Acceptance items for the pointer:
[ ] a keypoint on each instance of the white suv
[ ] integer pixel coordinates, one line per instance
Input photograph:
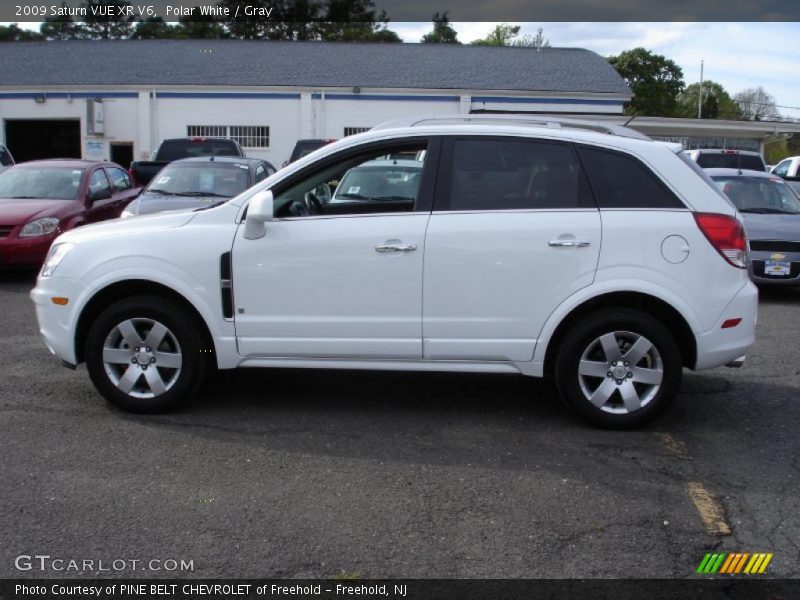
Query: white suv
(526, 246)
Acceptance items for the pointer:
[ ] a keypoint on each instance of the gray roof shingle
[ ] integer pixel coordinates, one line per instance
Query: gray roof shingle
(306, 64)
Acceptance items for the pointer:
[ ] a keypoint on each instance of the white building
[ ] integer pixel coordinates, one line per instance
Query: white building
(118, 99)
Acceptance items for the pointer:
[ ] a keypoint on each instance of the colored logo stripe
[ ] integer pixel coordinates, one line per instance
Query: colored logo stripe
(733, 563)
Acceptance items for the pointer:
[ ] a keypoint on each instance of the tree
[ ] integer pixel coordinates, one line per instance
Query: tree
(294, 20)
(61, 27)
(501, 35)
(203, 27)
(14, 33)
(154, 28)
(442, 32)
(537, 41)
(105, 21)
(717, 103)
(654, 80)
(244, 27)
(355, 21)
(756, 104)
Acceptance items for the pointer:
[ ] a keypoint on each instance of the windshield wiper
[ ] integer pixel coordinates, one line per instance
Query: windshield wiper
(398, 198)
(767, 211)
(159, 191)
(23, 197)
(212, 205)
(198, 194)
(354, 196)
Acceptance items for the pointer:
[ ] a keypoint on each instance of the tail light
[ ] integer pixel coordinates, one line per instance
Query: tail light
(726, 234)
(134, 179)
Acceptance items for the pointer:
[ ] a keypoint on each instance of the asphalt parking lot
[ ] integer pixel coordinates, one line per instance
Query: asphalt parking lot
(327, 473)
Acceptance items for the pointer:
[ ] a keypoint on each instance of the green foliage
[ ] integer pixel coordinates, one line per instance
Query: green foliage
(775, 152)
(154, 28)
(105, 27)
(654, 80)
(14, 33)
(203, 27)
(717, 103)
(442, 32)
(501, 35)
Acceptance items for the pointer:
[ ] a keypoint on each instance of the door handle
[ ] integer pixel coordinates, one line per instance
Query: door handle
(395, 248)
(569, 243)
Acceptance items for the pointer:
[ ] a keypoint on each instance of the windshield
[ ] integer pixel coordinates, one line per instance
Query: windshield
(710, 160)
(176, 149)
(41, 183)
(759, 194)
(201, 179)
(389, 182)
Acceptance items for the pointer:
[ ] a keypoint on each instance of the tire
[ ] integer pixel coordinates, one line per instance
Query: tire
(594, 379)
(171, 362)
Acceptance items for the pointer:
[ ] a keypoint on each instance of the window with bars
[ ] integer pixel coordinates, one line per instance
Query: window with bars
(248, 136)
(355, 130)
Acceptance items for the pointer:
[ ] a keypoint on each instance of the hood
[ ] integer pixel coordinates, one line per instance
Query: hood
(17, 212)
(120, 227)
(772, 227)
(152, 203)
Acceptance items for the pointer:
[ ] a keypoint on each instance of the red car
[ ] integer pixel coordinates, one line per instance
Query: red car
(41, 199)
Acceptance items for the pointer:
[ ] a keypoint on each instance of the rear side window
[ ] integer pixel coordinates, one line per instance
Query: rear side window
(491, 174)
(710, 160)
(621, 181)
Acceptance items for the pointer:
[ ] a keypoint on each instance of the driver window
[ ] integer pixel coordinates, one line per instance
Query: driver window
(99, 182)
(380, 181)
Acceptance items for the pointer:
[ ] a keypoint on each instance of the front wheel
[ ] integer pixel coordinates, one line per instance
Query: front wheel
(145, 355)
(618, 368)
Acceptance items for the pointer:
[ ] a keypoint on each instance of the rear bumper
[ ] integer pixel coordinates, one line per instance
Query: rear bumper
(718, 347)
(756, 260)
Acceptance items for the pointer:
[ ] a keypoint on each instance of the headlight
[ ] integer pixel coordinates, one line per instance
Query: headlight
(54, 257)
(44, 226)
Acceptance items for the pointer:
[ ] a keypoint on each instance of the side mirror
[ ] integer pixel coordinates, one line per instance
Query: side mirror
(100, 194)
(259, 211)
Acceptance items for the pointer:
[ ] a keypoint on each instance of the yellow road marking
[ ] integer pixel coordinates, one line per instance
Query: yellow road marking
(710, 510)
(674, 447)
(765, 563)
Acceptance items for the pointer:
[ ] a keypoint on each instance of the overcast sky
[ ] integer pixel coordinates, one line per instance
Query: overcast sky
(737, 55)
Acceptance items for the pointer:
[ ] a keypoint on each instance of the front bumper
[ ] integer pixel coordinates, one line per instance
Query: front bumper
(57, 323)
(719, 347)
(24, 252)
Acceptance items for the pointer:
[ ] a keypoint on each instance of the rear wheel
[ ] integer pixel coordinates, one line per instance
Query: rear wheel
(144, 354)
(618, 368)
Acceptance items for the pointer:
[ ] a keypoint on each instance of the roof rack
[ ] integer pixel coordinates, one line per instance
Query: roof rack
(507, 119)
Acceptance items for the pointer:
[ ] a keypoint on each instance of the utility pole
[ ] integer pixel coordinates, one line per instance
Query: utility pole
(700, 94)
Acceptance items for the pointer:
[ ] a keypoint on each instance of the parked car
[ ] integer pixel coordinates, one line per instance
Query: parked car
(507, 221)
(142, 172)
(709, 158)
(6, 160)
(390, 180)
(788, 168)
(197, 182)
(771, 211)
(304, 147)
(39, 200)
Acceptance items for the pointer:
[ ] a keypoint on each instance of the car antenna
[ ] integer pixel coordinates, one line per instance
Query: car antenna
(629, 120)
